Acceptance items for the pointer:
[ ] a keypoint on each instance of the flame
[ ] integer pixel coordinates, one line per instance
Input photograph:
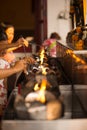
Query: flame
(75, 57)
(43, 69)
(42, 56)
(41, 95)
(41, 92)
(42, 87)
(36, 87)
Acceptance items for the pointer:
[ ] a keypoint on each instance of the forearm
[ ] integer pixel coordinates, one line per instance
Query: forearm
(6, 46)
(7, 72)
(19, 66)
(13, 48)
(3, 46)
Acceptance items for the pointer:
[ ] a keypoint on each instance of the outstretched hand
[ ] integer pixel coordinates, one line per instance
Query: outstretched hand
(22, 64)
(22, 41)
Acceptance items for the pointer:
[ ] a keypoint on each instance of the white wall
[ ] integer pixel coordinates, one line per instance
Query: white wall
(62, 26)
(86, 13)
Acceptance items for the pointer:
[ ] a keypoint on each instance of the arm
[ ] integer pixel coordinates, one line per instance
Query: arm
(6, 72)
(4, 46)
(10, 47)
(19, 43)
(19, 66)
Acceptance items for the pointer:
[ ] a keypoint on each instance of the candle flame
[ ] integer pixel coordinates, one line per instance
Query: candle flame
(41, 92)
(41, 95)
(77, 59)
(36, 87)
(42, 55)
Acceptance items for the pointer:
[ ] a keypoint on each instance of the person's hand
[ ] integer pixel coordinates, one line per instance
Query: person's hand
(20, 65)
(29, 39)
(22, 41)
(30, 60)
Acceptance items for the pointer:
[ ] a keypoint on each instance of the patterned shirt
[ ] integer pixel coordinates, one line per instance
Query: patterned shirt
(3, 90)
(51, 44)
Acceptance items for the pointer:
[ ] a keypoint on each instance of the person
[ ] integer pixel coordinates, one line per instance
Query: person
(8, 29)
(55, 35)
(6, 37)
(4, 46)
(5, 70)
(4, 42)
(51, 44)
